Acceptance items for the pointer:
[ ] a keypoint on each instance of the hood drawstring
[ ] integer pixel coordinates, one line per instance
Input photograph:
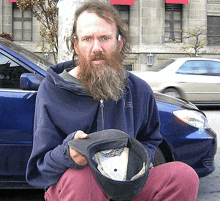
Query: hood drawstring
(102, 110)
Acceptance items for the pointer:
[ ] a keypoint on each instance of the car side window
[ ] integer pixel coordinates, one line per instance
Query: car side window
(10, 73)
(185, 69)
(213, 68)
(193, 68)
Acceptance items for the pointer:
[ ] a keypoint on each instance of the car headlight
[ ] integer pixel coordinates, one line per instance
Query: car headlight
(192, 117)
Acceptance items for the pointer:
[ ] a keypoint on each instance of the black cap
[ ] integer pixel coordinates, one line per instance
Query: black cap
(119, 162)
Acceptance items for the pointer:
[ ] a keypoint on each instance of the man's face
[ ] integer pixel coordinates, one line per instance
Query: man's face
(95, 35)
(98, 50)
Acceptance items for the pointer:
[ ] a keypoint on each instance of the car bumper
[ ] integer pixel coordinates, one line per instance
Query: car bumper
(197, 150)
(206, 165)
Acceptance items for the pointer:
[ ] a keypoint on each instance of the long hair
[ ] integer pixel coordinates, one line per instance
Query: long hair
(107, 12)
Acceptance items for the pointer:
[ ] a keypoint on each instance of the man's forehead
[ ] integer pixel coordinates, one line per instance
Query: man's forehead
(91, 22)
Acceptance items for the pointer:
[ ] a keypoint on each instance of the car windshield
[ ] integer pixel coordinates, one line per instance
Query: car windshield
(38, 61)
(161, 65)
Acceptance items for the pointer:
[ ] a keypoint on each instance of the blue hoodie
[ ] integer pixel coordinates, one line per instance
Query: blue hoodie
(64, 107)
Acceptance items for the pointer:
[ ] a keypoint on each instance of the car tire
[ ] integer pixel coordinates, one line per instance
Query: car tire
(159, 158)
(172, 92)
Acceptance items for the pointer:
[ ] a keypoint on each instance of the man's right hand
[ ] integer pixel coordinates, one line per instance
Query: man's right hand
(78, 158)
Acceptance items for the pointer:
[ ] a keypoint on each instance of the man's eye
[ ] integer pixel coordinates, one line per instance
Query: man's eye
(105, 38)
(86, 39)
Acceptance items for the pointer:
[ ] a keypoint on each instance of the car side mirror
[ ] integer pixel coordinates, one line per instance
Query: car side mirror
(30, 81)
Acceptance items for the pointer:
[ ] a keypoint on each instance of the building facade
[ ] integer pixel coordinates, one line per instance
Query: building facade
(159, 30)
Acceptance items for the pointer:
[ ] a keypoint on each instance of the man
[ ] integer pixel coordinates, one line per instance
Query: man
(98, 94)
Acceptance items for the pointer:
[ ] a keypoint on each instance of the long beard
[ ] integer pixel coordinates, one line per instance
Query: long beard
(106, 81)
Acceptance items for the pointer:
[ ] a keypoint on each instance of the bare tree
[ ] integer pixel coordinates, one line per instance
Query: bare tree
(46, 13)
(197, 40)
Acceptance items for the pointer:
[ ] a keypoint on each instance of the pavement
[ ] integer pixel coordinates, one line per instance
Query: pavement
(209, 187)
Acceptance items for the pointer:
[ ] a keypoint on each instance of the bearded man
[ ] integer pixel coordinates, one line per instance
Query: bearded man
(97, 94)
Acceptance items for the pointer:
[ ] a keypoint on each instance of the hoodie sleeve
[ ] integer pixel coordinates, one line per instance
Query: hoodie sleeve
(50, 156)
(149, 134)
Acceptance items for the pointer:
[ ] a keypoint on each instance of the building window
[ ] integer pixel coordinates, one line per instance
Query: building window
(124, 11)
(22, 27)
(173, 23)
(213, 30)
(130, 64)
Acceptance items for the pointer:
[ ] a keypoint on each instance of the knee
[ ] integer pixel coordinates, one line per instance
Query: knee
(172, 181)
(184, 175)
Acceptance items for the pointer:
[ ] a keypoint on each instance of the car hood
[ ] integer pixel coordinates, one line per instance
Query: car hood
(174, 101)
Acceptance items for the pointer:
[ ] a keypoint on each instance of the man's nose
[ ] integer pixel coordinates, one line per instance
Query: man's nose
(97, 46)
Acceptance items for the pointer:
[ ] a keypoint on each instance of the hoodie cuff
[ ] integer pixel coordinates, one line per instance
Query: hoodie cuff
(66, 153)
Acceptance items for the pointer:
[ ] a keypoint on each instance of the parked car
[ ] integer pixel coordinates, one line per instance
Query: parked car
(187, 136)
(194, 79)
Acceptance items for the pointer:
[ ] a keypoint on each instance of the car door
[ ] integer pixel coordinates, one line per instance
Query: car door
(16, 120)
(196, 81)
(213, 74)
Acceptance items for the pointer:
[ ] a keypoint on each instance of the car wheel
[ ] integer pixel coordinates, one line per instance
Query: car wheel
(158, 158)
(172, 92)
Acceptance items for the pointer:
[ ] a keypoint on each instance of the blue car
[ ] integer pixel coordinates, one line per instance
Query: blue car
(187, 136)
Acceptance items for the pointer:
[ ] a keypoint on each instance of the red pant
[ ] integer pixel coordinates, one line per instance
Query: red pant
(171, 181)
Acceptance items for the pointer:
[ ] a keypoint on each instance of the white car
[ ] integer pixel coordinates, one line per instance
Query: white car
(194, 79)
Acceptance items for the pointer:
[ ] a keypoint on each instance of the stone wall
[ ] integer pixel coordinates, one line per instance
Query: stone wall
(213, 7)
(6, 17)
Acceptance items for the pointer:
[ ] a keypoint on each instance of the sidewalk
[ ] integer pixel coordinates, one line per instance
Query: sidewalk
(209, 188)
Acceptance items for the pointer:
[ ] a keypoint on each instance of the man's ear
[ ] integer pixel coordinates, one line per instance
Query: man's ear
(75, 44)
(121, 43)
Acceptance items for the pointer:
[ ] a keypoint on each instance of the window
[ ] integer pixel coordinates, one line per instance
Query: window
(193, 68)
(124, 11)
(10, 73)
(200, 68)
(173, 23)
(213, 30)
(22, 25)
(213, 68)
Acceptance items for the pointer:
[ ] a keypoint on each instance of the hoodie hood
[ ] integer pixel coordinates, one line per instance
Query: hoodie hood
(53, 75)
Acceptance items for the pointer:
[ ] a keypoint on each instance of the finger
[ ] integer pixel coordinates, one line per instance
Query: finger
(80, 135)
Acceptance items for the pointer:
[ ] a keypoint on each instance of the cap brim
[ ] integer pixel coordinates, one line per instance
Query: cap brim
(81, 145)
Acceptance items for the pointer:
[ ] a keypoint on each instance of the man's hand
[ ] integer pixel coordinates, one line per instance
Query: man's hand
(78, 158)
